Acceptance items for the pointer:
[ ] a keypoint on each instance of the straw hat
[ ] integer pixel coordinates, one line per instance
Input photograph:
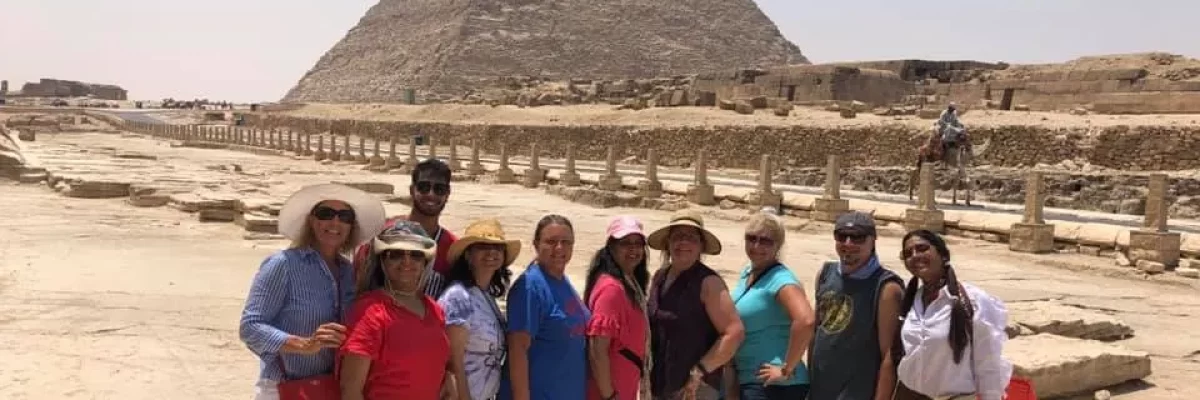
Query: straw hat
(405, 235)
(485, 231)
(658, 239)
(368, 210)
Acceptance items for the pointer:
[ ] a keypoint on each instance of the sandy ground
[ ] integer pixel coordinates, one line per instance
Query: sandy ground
(102, 300)
(700, 116)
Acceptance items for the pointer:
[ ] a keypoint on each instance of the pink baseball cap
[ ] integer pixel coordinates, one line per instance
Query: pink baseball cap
(623, 226)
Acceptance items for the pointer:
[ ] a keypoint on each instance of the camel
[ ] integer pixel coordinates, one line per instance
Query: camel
(958, 154)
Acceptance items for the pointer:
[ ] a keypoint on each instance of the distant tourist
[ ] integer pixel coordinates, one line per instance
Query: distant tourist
(618, 332)
(429, 190)
(769, 365)
(479, 275)
(293, 315)
(694, 326)
(953, 334)
(546, 320)
(396, 345)
(858, 318)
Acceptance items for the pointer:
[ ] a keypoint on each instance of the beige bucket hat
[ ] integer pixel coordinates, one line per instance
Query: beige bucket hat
(658, 239)
(485, 231)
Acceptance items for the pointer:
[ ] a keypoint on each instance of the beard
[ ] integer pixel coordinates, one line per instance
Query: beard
(422, 209)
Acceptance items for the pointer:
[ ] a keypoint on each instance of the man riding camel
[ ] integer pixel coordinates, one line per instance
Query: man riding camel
(947, 130)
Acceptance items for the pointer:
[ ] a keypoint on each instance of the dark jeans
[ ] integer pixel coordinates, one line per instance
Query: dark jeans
(756, 391)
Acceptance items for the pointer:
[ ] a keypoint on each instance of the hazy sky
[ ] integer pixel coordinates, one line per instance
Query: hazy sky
(255, 50)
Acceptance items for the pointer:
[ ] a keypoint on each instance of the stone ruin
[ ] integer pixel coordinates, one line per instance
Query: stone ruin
(402, 51)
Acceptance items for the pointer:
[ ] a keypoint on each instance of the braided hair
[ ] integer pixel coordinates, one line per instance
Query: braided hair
(962, 312)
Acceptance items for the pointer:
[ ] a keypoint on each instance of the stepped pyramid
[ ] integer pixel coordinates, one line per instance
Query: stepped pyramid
(452, 46)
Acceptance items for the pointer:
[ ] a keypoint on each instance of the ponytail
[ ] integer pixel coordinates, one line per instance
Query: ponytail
(962, 315)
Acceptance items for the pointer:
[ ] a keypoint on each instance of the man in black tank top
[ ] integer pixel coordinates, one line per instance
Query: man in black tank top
(858, 305)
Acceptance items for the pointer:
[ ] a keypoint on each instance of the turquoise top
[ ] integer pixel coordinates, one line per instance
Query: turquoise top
(768, 325)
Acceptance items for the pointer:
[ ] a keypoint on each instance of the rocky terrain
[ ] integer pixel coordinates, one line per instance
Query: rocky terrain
(454, 48)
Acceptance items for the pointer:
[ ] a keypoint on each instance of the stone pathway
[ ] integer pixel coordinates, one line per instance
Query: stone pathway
(95, 285)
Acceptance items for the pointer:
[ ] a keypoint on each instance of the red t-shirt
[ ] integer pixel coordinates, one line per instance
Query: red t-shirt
(408, 354)
(440, 264)
(616, 317)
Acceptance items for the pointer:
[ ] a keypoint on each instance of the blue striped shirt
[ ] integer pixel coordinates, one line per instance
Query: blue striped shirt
(292, 294)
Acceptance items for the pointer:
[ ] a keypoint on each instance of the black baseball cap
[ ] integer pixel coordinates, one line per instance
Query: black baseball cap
(855, 222)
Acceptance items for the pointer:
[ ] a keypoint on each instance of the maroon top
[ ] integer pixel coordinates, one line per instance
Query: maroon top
(681, 331)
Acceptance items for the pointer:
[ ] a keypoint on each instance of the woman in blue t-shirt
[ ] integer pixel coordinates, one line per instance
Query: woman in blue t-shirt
(547, 357)
(778, 320)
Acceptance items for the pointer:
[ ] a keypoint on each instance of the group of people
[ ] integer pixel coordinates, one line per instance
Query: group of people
(416, 312)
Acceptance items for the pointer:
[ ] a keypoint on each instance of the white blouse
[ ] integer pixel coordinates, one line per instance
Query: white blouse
(928, 365)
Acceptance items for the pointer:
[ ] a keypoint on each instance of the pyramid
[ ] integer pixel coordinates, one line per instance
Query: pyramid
(451, 47)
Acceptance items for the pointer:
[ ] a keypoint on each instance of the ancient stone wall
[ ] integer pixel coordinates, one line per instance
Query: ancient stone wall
(1121, 147)
(61, 88)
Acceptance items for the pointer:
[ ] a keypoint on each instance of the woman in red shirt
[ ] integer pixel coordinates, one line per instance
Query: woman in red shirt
(397, 346)
(616, 294)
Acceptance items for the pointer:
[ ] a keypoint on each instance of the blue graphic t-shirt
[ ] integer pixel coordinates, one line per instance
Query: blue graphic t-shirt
(551, 312)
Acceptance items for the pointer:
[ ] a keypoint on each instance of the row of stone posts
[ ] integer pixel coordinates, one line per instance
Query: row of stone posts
(1152, 242)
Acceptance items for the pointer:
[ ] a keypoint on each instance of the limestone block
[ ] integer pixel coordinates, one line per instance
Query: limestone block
(257, 222)
(1150, 267)
(217, 215)
(743, 107)
(595, 197)
(534, 177)
(1060, 366)
(702, 194)
(85, 189)
(258, 205)
(828, 210)
(140, 196)
(650, 189)
(1031, 238)
(370, 187)
(1160, 247)
(194, 202)
(933, 220)
(27, 135)
(1056, 318)
(505, 175)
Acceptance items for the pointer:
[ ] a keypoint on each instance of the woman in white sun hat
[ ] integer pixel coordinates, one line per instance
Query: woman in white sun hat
(293, 315)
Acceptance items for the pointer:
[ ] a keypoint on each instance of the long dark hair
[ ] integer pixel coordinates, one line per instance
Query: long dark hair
(460, 271)
(603, 263)
(962, 312)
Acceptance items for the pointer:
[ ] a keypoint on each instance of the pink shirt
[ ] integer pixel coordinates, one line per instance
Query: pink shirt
(615, 316)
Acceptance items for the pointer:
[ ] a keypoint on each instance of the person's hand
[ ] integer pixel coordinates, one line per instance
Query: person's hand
(771, 374)
(330, 335)
(449, 388)
(308, 346)
(689, 389)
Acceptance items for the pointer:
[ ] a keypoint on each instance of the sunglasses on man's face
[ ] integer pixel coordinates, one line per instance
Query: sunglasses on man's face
(326, 213)
(856, 238)
(440, 189)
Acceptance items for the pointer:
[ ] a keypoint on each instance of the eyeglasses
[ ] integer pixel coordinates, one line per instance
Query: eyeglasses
(759, 239)
(440, 189)
(326, 213)
(401, 255)
(915, 249)
(856, 238)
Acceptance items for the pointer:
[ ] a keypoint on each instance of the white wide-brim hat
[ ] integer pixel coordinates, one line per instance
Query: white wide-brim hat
(368, 210)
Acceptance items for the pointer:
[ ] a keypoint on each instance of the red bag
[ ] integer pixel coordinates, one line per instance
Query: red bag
(321, 387)
(1020, 389)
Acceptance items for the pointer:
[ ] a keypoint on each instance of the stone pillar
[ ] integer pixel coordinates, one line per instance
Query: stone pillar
(452, 161)
(831, 205)
(346, 155)
(476, 167)
(308, 151)
(412, 156)
(701, 192)
(926, 215)
(432, 147)
(1153, 242)
(392, 161)
(533, 174)
(376, 159)
(1032, 234)
(766, 195)
(361, 158)
(319, 155)
(505, 174)
(611, 179)
(570, 177)
(334, 154)
(650, 187)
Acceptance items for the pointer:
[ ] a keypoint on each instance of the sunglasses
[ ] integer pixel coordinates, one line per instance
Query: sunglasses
(325, 213)
(856, 238)
(915, 249)
(440, 189)
(401, 255)
(758, 239)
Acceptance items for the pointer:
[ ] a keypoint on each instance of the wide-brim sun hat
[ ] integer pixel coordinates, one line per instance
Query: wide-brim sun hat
(486, 231)
(405, 235)
(368, 210)
(658, 239)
